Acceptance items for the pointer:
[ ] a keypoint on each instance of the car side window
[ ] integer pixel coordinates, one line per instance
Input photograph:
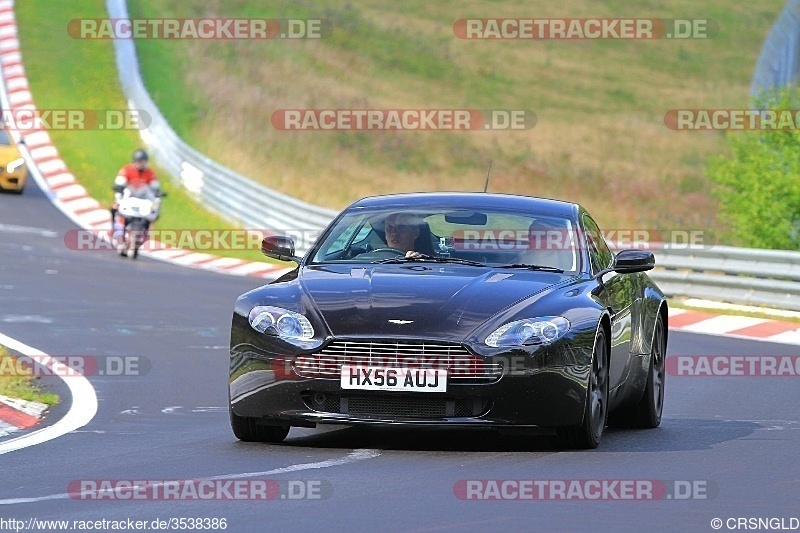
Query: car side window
(363, 233)
(346, 236)
(600, 255)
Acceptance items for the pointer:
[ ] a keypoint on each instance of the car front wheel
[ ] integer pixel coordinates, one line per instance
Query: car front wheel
(595, 414)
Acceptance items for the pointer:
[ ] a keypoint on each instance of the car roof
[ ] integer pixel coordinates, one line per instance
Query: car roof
(472, 200)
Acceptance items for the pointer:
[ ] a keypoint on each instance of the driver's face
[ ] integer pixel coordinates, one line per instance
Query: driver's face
(400, 233)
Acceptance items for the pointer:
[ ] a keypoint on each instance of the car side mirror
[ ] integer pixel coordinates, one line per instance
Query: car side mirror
(278, 247)
(630, 261)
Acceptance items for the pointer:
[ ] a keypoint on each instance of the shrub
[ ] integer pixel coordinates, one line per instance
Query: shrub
(759, 185)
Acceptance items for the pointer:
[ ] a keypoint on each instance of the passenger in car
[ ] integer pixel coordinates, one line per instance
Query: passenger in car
(550, 244)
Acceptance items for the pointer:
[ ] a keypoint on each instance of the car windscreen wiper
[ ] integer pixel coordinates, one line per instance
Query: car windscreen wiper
(455, 260)
(534, 267)
(422, 258)
(389, 260)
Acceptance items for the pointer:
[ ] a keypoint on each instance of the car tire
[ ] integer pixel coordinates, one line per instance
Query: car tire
(647, 413)
(587, 435)
(248, 430)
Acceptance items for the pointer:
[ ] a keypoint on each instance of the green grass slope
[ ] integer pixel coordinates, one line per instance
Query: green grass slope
(600, 137)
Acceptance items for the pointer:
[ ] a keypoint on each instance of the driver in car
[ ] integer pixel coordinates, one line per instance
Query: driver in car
(401, 232)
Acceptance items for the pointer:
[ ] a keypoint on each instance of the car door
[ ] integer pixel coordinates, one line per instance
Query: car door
(616, 293)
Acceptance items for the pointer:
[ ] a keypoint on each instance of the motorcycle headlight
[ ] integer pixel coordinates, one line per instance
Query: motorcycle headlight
(144, 209)
(540, 330)
(280, 323)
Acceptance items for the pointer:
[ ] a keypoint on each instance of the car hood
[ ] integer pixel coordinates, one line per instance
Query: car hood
(417, 300)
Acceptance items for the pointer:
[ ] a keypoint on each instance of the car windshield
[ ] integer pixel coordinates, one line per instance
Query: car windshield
(479, 237)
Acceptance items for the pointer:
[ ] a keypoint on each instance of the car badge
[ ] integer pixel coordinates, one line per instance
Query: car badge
(401, 322)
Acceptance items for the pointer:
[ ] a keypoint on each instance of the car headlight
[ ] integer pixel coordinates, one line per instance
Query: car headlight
(540, 330)
(280, 322)
(15, 164)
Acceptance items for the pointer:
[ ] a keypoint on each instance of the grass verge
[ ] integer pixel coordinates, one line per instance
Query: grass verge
(17, 382)
(67, 73)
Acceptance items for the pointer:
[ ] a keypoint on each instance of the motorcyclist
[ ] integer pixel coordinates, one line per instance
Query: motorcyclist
(140, 181)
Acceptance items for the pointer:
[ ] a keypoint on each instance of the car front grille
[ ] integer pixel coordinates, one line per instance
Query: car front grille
(462, 367)
(395, 406)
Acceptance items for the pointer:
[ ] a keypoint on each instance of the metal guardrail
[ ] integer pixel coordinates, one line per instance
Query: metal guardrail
(779, 62)
(233, 196)
(769, 278)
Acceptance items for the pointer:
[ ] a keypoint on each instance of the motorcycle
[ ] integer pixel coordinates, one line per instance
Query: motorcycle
(136, 210)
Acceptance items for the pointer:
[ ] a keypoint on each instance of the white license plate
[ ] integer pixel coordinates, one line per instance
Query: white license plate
(394, 378)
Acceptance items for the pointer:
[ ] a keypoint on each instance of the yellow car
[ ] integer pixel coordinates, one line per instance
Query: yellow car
(13, 169)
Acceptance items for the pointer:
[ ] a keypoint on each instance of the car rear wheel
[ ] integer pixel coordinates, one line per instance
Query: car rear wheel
(248, 430)
(595, 414)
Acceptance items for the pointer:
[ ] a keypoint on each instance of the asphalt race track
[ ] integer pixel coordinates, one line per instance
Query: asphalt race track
(736, 438)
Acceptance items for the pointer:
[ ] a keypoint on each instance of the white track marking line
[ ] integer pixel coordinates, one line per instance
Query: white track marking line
(81, 412)
(352, 457)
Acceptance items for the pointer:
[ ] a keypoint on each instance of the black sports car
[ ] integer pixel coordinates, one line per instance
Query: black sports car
(452, 309)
